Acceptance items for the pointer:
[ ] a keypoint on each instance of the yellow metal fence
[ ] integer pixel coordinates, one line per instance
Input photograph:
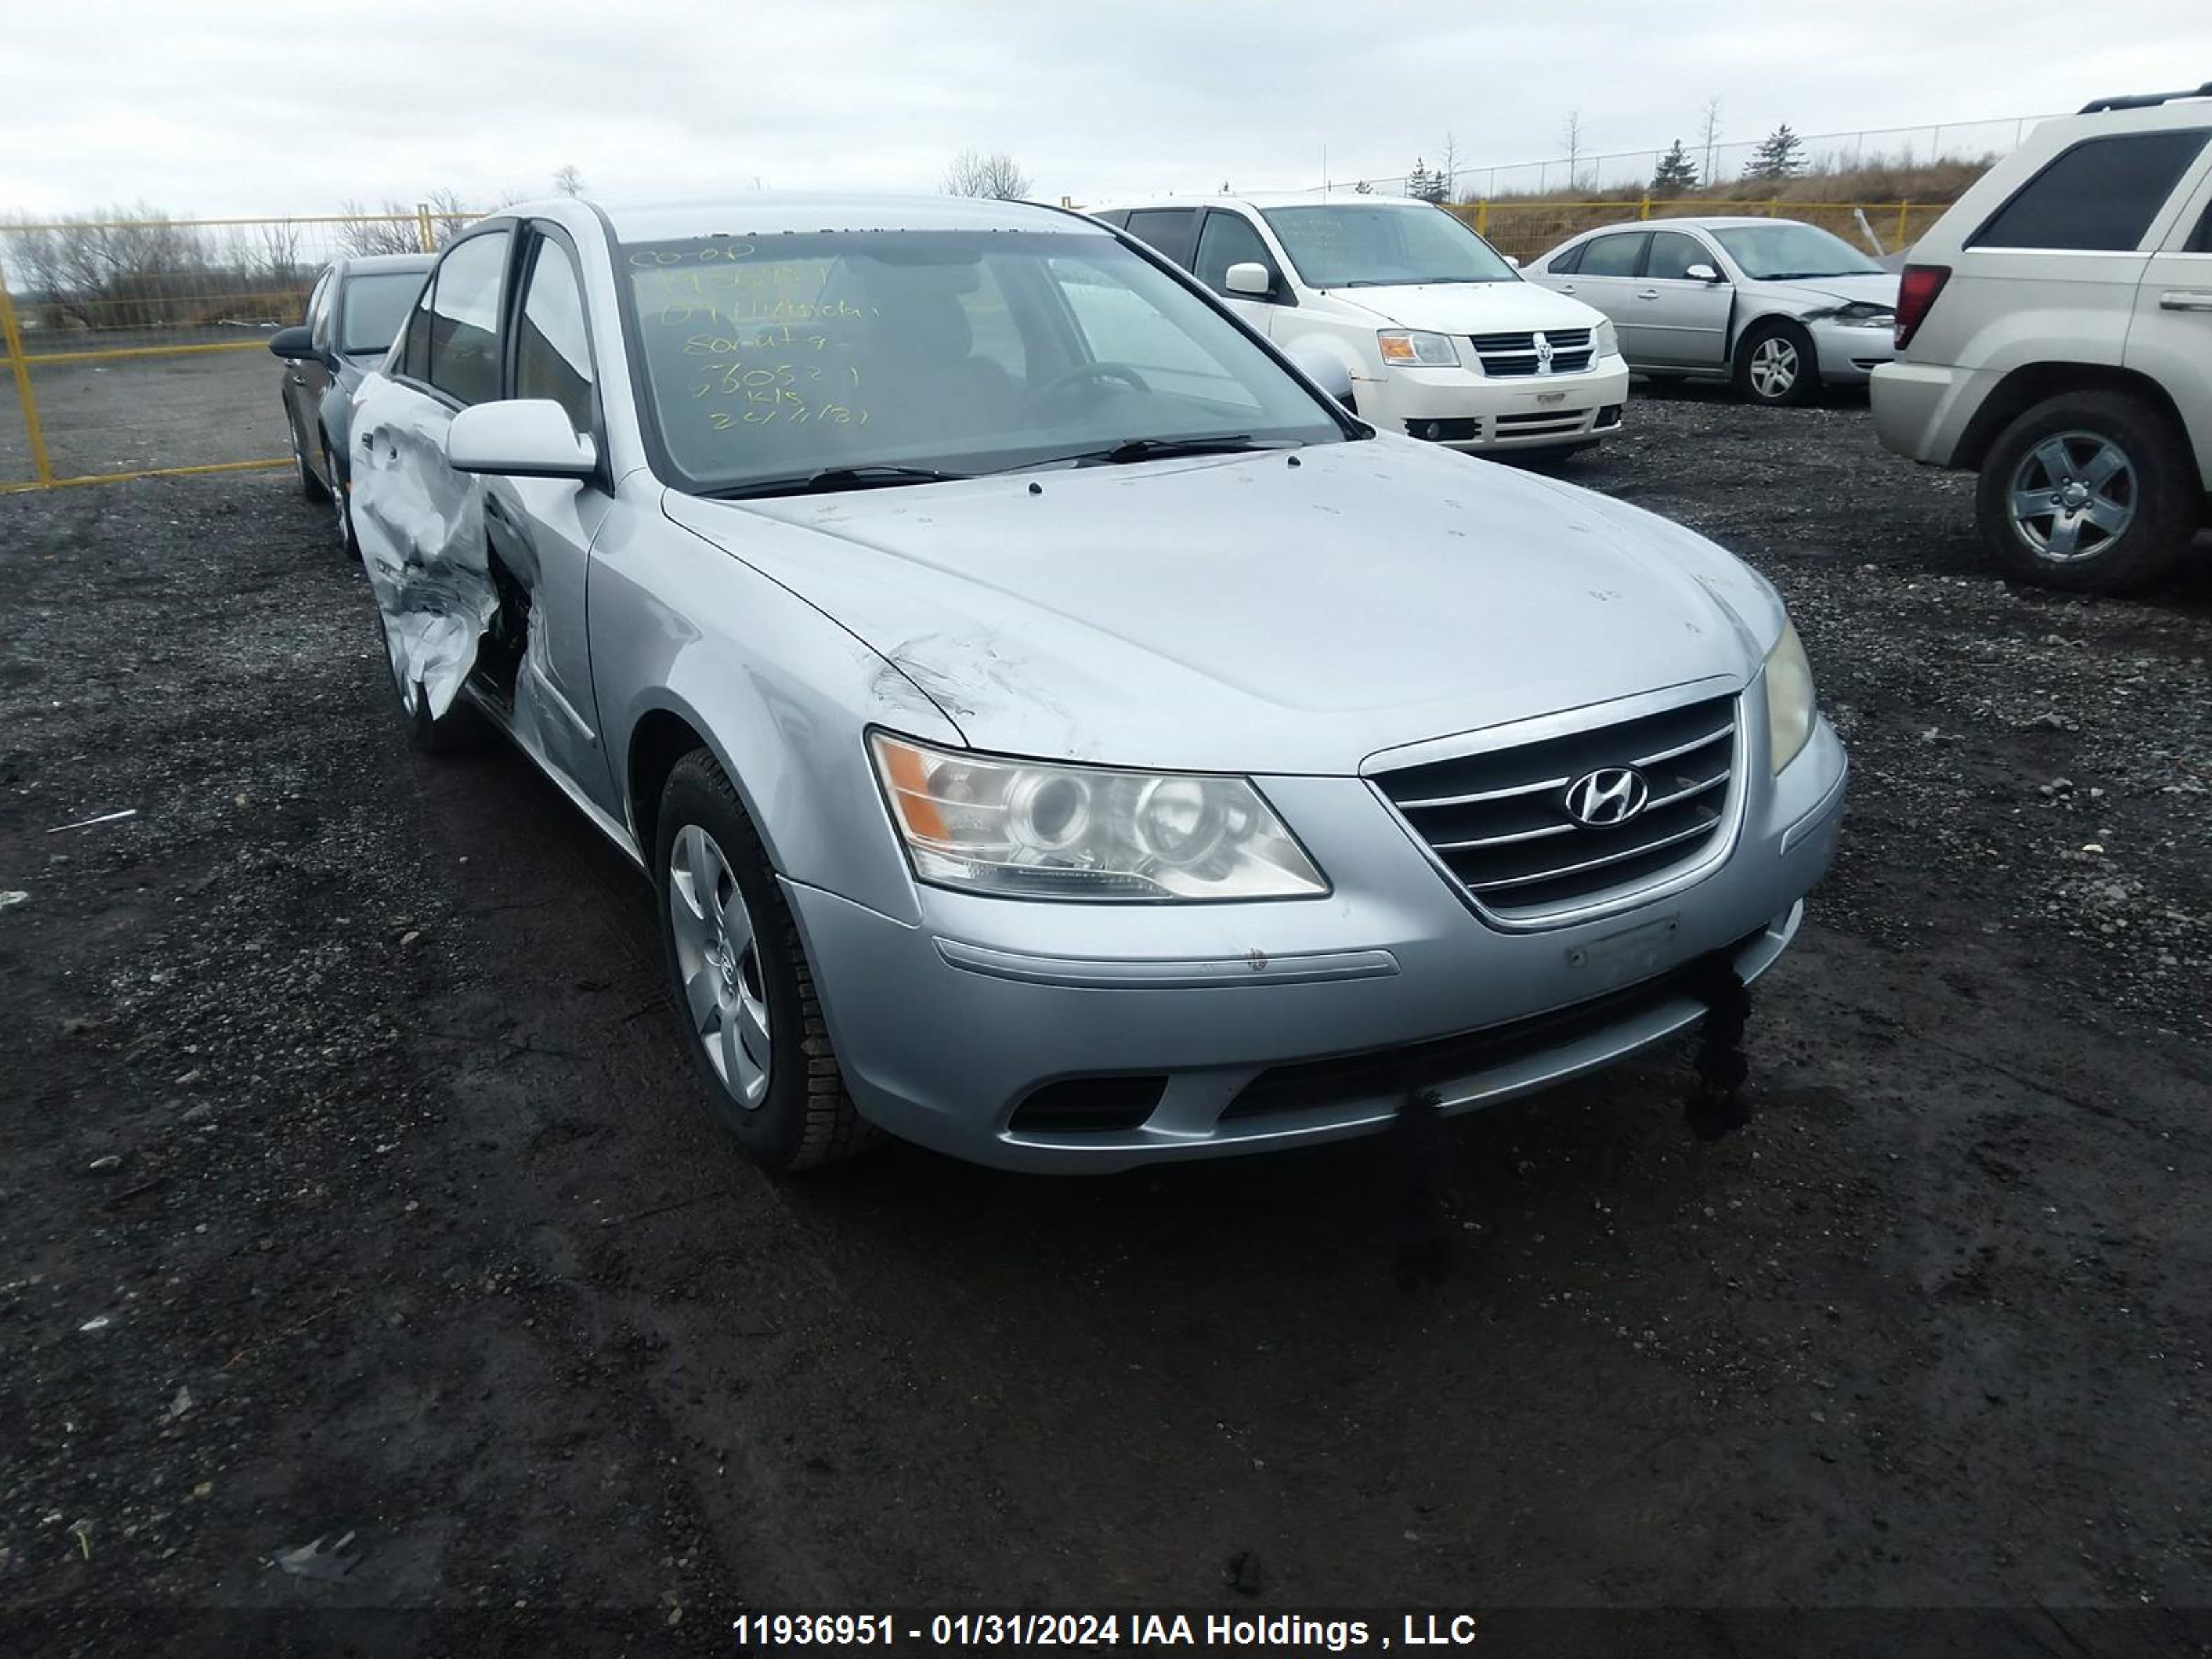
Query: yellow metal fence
(126, 341)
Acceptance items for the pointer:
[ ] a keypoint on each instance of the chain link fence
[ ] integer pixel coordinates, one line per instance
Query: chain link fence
(1898, 150)
(134, 346)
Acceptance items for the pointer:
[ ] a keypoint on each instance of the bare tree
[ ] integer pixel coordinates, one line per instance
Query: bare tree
(449, 216)
(996, 176)
(120, 267)
(1709, 127)
(280, 253)
(568, 180)
(1447, 172)
(392, 228)
(1571, 139)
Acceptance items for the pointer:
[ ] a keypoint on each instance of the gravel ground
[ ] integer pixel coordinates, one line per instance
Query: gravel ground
(354, 1182)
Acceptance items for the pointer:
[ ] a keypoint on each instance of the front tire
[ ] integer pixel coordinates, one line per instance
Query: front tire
(2089, 492)
(341, 505)
(741, 981)
(312, 488)
(1776, 366)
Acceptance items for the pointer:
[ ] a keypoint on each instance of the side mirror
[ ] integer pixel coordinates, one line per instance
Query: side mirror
(1702, 273)
(293, 345)
(1510, 260)
(1325, 371)
(1250, 279)
(520, 438)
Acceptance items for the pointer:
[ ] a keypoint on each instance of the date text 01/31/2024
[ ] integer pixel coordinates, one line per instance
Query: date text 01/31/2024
(780, 1631)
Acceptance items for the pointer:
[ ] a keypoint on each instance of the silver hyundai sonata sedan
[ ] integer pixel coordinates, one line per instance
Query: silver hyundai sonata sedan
(1056, 731)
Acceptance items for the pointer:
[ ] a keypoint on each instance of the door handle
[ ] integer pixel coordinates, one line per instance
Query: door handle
(2185, 300)
(299, 379)
(1647, 292)
(1566, 288)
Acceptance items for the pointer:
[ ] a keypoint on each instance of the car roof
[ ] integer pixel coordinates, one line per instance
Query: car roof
(1261, 200)
(773, 212)
(356, 265)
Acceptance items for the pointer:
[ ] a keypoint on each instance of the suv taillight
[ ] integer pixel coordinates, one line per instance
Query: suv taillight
(1915, 292)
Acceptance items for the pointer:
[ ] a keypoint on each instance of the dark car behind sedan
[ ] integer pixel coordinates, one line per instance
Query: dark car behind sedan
(353, 314)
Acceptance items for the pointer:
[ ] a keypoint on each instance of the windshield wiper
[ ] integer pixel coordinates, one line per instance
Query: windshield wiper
(1153, 449)
(832, 478)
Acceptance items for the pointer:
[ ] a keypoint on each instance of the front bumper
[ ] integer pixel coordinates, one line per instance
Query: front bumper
(1472, 411)
(945, 1029)
(1849, 356)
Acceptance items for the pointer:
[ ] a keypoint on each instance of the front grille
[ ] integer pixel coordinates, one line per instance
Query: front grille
(1498, 820)
(1508, 356)
(1381, 1074)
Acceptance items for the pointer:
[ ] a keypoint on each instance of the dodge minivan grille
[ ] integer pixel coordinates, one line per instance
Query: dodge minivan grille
(1509, 355)
(1498, 821)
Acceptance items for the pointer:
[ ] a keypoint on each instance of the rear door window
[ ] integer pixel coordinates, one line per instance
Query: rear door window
(2100, 195)
(1171, 230)
(464, 317)
(1613, 256)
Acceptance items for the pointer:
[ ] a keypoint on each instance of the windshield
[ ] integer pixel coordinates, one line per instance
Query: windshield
(1781, 252)
(769, 360)
(376, 305)
(1373, 244)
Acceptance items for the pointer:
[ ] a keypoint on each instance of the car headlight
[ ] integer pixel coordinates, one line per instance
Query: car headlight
(1411, 346)
(1608, 338)
(1862, 315)
(1790, 711)
(1030, 830)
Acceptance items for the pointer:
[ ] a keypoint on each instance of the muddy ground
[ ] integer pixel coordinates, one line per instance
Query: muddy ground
(352, 1180)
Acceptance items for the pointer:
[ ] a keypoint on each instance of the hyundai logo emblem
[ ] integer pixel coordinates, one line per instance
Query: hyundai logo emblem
(1609, 796)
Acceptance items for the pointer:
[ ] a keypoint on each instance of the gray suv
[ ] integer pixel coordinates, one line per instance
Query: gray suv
(1055, 731)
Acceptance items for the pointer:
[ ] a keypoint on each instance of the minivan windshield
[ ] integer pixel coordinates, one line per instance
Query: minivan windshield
(845, 359)
(1789, 251)
(375, 304)
(1376, 245)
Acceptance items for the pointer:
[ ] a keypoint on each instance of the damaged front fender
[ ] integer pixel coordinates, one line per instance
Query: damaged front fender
(420, 525)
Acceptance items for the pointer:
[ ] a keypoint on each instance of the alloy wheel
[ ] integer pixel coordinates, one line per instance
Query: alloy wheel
(1774, 366)
(718, 958)
(2072, 495)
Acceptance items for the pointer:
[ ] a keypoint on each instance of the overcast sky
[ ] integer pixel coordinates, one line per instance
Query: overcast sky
(220, 107)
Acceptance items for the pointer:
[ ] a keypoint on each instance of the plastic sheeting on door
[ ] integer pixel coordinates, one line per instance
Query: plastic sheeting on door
(422, 532)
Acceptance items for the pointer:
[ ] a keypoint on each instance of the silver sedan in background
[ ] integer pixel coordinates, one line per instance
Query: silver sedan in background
(1056, 732)
(1781, 308)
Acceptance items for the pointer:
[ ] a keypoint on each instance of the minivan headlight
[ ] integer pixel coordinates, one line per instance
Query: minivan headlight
(1789, 712)
(1031, 830)
(1608, 338)
(1411, 346)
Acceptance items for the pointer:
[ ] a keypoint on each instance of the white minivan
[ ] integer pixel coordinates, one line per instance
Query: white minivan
(1442, 339)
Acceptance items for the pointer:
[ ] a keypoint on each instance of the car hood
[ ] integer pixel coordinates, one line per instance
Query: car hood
(1823, 293)
(1471, 307)
(1244, 614)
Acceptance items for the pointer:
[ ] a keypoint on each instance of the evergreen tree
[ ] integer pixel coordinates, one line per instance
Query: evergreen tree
(1423, 185)
(1779, 157)
(1676, 172)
